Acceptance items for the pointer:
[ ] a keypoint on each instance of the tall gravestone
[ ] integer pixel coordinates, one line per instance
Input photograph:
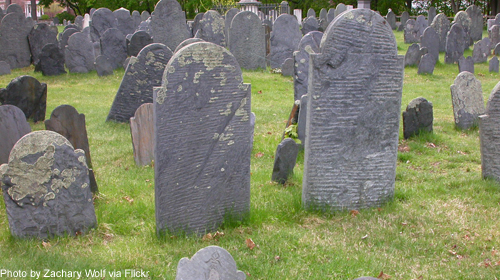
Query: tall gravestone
(308, 44)
(467, 100)
(441, 25)
(430, 41)
(285, 38)
(311, 12)
(228, 18)
(404, 18)
(124, 21)
(353, 115)
(309, 24)
(411, 33)
(489, 129)
(211, 28)
(340, 9)
(466, 64)
(28, 94)
(331, 15)
(137, 42)
(455, 44)
(246, 40)
(142, 132)
(391, 19)
(64, 37)
(40, 35)
(465, 21)
(323, 14)
(79, 22)
(136, 18)
(46, 188)
(481, 51)
(13, 126)
(431, 14)
(114, 47)
(420, 25)
(494, 35)
(476, 16)
(102, 20)
(79, 53)
(168, 24)
(14, 46)
(493, 64)
(145, 15)
(204, 131)
(196, 23)
(426, 64)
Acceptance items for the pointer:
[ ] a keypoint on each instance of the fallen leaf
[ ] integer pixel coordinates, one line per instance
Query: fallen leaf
(260, 91)
(259, 155)
(46, 244)
(354, 213)
(462, 153)
(364, 237)
(269, 132)
(277, 258)
(250, 243)
(403, 148)
(207, 237)
(383, 276)
(130, 200)
(452, 252)
(218, 234)
(430, 145)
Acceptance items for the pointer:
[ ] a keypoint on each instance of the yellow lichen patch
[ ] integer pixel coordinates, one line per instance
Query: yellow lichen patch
(241, 111)
(228, 111)
(161, 94)
(197, 76)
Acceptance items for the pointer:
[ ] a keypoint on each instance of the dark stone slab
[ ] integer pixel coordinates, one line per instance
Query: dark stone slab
(74, 26)
(467, 100)
(114, 46)
(426, 64)
(465, 64)
(14, 8)
(285, 38)
(411, 34)
(124, 21)
(41, 34)
(13, 126)
(421, 24)
(142, 74)
(404, 18)
(309, 24)
(481, 51)
(287, 68)
(137, 42)
(211, 28)
(187, 42)
(51, 61)
(489, 129)
(203, 128)
(4, 68)
(476, 29)
(430, 41)
(455, 44)
(102, 20)
(79, 53)
(431, 14)
(391, 19)
(46, 188)
(103, 66)
(441, 25)
(228, 18)
(284, 160)
(308, 44)
(14, 46)
(465, 21)
(168, 24)
(494, 64)
(142, 131)
(28, 94)
(246, 40)
(414, 54)
(417, 117)
(64, 37)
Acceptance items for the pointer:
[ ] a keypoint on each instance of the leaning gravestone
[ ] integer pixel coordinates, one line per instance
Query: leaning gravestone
(441, 25)
(204, 132)
(14, 46)
(103, 66)
(404, 18)
(414, 54)
(46, 188)
(467, 100)
(114, 46)
(168, 24)
(309, 24)
(417, 117)
(124, 21)
(13, 126)
(431, 14)
(246, 40)
(64, 37)
(411, 34)
(284, 160)
(465, 21)
(137, 42)
(211, 28)
(466, 64)
(211, 262)
(391, 19)
(308, 44)
(136, 18)
(142, 74)
(51, 61)
(481, 51)
(352, 141)
(228, 18)
(66, 121)
(28, 94)
(142, 131)
(493, 64)
(476, 16)
(426, 64)
(41, 34)
(285, 38)
(489, 129)
(4, 68)
(102, 20)
(455, 44)
(79, 53)
(430, 41)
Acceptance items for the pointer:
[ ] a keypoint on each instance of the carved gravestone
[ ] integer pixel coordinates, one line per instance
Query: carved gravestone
(494, 35)
(391, 19)
(211, 262)
(467, 100)
(142, 74)
(64, 37)
(465, 21)
(308, 44)
(142, 131)
(455, 44)
(137, 41)
(14, 46)
(4, 68)
(51, 61)
(431, 14)
(331, 14)
(114, 46)
(414, 54)
(481, 51)
(309, 24)
(13, 126)
(284, 160)
(441, 25)
(196, 23)
(353, 115)
(476, 28)
(404, 18)
(211, 28)
(46, 188)
(168, 24)
(66, 121)
(187, 42)
(340, 9)
(79, 53)
(430, 41)
(417, 117)
(124, 21)
(204, 132)
(426, 64)
(493, 64)
(246, 40)
(41, 34)
(228, 18)
(287, 68)
(465, 64)
(411, 34)
(489, 129)
(28, 94)
(102, 20)
(285, 38)
(103, 66)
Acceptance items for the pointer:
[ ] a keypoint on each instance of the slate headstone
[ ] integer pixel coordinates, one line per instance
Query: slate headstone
(331, 15)
(420, 25)
(14, 8)
(323, 14)
(211, 28)
(311, 13)
(340, 9)
(13, 126)
(285, 38)
(187, 42)
(246, 40)
(79, 22)
(287, 68)
(4, 68)
(51, 61)
(137, 42)
(465, 21)
(431, 14)
(64, 37)
(466, 64)
(136, 18)
(481, 51)
(494, 35)
(168, 24)
(145, 15)
(441, 25)
(414, 54)
(307, 45)
(103, 66)
(476, 16)
(411, 34)
(284, 160)
(74, 26)
(28, 94)
(430, 41)
(493, 64)
(196, 23)
(496, 51)
(142, 131)
(404, 18)
(426, 64)
(309, 24)
(40, 35)
(228, 18)
(14, 46)
(455, 44)
(124, 21)
(79, 53)
(489, 129)
(417, 117)
(102, 20)
(391, 19)
(467, 100)
(145, 26)
(113, 45)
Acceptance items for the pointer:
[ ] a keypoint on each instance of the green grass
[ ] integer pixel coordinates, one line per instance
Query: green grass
(442, 223)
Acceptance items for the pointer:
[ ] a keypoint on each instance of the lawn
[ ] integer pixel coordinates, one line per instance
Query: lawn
(442, 223)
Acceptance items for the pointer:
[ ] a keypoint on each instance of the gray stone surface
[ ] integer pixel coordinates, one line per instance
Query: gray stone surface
(187, 42)
(14, 46)
(142, 131)
(431, 14)
(287, 68)
(311, 13)
(426, 64)
(309, 24)
(64, 37)
(142, 74)
(494, 35)
(307, 45)
(211, 28)
(137, 41)
(13, 126)
(79, 22)
(51, 60)
(136, 18)
(489, 129)
(323, 25)
(284, 160)
(411, 34)
(493, 64)
(211, 262)
(467, 100)
(204, 132)
(74, 26)
(353, 115)
(28, 94)
(124, 21)
(46, 188)
(114, 46)
(40, 35)
(103, 66)
(420, 25)
(340, 9)
(441, 25)
(417, 117)
(496, 51)
(196, 23)
(391, 19)
(414, 54)
(4, 68)
(476, 28)
(465, 21)
(168, 24)
(228, 18)
(145, 26)
(331, 14)
(455, 44)
(430, 41)
(466, 64)
(481, 51)
(145, 15)
(14, 8)
(404, 18)
(323, 14)
(102, 20)
(79, 53)
(246, 41)
(302, 120)
(285, 38)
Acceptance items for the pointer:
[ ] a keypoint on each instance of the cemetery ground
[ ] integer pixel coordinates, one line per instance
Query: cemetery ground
(442, 223)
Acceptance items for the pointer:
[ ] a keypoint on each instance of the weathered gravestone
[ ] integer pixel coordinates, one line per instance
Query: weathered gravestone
(353, 115)
(136, 18)
(404, 18)
(114, 46)
(431, 14)
(417, 117)
(287, 68)
(228, 18)
(340, 9)
(481, 51)
(142, 131)
(455, 44)
(426, 64)
(476, 28)
(14, 8)
(79, 22)
(196, 23)
(13, 126)
(211, 28)
(302, 120)
(465, 21)
(137, 42)
(64, 37)
(142, 74)
(14, 46)
(309, 24)
(493, 64)
(391, 19)
(51, 60)
(307, 45)
(465, 64)
(420, 25)
(441, 25)
(204, 132)
(79, 53)
(168, 24)
(430, 41)
(124, 21)
(4, 68)
(411, 34)
(414, 54)
(28, 94)
(284, 160)
(187, 42)
(285, 38)
(103, 66)
(211, 262)
(311, 13)
(494, 35)
(331, 15)
(246, 40)
(66, 121)
(145, 26)
(145, 15)
(46, 188)
(489, 129)
(102, 20)
(73, 26)
(41, 34)
(467, 100)
(323, 14)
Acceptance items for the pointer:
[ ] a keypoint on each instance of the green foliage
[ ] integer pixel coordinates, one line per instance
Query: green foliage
(65, 16)
(291, 132)
(44, 17)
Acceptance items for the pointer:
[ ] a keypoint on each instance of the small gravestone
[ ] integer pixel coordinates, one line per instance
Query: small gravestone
(204, 132)
(211, 262)
(455, 44)
(4, 68)
(285, 38)
(465, 21)
(103, 66)
(228, 18)
(331, 15)
(430, 41)
(417, 117)
(137, 42)
(136, 18)
(13, 126)
(426, 64)
(142, 74)
(14, 46)
(481, 51)
(66, 121)
(467, 100)
(476, 29)
(414, 54)
(51, 61)
(46, 188)
(79, 22)
(489, 129)
(494, 64)
(323, 14)
(41, 34)
(391, 19)
(340, 9)
(187, 42)
(494, 35)
(124, 21)
(284, 160)
(64, 37)
(411, 34)
(404, 18)
(431, 14)
(441, 25)
(246, 40)
(113, 45)
(145, 15)
(28, 94)
(196, 23)
(79, 53)
(287, 69)
(311, 13)
(211, 28)
(301, 123)
(466, 64)
(102, 20)
(168, 24)
(309, 24)
(308, 44)
(142, 131)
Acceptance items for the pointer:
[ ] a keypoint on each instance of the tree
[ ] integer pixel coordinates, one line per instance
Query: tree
(79, 7)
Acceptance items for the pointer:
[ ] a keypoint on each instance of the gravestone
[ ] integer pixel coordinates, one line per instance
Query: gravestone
(493, 64)
(430, 41)
(494, 35)
(14, 46)
(441, 25)
(114, 46)
(353, 115)
(204, 134)
(287, 68)
(467, 100)
(411, 34)
(307, 45)
(13, 126)
(142, 131)
(496, 51)
(4, 68)
(391, 19)
(246, 40)
(79, 53)
(284, 160)
(103, 66)
(74, 26)
(196, 23)
(420, 25)
(417, 117)
(66, 121)
(64, 37)
(404, 18)
(168, 24)
(323, 25)
(51, 61)
(211, 262)
(489, 129)
(14, 8)
(187, 42)
(340, 9)
(323, 14)
(309, 24)
(476, 28)
(136, 18)
(145, 15)
(431, 14)
(465, 21)
(228, 18)
(102, 20)
(466, 64)
(211, 28)
(481, 51)
(285, 38)
(41, 34)
(28, 94)
(46, 188)
(311, 13)
(137, 42)
(455, 44)
(142, 74)
(124, 21)
(79, 22)
(426, 64)
(414, 54)
(331, 14)
(145, 26)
